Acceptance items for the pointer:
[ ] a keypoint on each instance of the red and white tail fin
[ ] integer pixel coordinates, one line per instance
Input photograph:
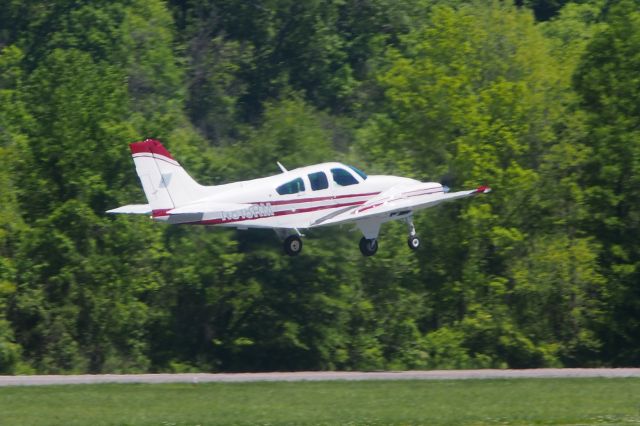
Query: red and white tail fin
(165, 183)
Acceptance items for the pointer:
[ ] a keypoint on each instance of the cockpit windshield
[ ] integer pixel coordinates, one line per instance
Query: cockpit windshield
(362, 174)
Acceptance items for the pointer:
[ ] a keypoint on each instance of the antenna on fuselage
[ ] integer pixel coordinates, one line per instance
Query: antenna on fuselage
(284, 170)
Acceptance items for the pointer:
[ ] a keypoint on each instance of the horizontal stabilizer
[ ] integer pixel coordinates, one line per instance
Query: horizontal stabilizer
(132, 209)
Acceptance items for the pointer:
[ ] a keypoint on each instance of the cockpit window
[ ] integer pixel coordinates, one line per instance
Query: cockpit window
(362, 174)
(318, 181)
(343, 177)
(293, 187)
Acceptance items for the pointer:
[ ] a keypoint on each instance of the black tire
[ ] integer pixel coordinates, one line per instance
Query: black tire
(368, 247)
(413, 242)
(293, 245)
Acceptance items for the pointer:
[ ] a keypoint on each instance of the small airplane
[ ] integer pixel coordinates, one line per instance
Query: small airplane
(304, 198)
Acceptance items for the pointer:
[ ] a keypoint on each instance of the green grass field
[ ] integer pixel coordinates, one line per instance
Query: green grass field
(470, 402)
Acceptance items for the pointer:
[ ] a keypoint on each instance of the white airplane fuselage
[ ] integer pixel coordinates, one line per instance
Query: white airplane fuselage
(300, 210)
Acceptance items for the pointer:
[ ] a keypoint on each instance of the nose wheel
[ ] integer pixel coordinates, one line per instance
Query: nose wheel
(368, 247)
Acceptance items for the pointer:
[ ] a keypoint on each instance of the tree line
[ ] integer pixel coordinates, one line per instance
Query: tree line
(538, 99)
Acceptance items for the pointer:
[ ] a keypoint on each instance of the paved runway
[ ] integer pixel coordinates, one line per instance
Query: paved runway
(318, 376)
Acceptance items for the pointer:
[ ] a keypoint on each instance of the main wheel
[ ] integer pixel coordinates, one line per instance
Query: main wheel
(368, 247)
(413, 242)
(292, 245)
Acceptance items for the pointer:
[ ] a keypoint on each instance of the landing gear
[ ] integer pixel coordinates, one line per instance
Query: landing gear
(293, 245)
(414, 242)
(368, 247)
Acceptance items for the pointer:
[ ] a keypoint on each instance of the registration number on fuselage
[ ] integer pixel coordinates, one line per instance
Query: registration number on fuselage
(253, 212)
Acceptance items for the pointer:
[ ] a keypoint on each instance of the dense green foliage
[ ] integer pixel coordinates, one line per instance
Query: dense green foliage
(542, 106)
(455, 402)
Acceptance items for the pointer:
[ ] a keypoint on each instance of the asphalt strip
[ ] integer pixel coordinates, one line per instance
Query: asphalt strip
(312, 376)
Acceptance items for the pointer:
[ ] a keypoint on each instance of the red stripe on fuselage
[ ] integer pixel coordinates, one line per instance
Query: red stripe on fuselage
(163, 212)
(314, 199)
(278, 213)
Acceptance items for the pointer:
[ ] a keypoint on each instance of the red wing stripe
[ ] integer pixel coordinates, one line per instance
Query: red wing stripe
(421, 192)
(378, 204)
(420, 195)
(424, 189)
(369, 207)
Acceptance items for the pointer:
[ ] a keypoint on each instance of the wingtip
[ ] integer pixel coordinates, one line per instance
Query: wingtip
(483, 189)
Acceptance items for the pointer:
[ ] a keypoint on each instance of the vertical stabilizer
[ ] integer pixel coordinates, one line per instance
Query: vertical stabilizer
(165, 183)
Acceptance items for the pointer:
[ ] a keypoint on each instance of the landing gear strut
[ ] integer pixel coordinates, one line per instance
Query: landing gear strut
(368, 247)
(413, 241)
(293, 245)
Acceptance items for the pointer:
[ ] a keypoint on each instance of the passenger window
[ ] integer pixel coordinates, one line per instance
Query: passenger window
(293, 187)
(318, 181)
(343, 177)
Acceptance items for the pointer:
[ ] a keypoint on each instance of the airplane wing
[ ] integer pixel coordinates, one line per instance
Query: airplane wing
(396, 203)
